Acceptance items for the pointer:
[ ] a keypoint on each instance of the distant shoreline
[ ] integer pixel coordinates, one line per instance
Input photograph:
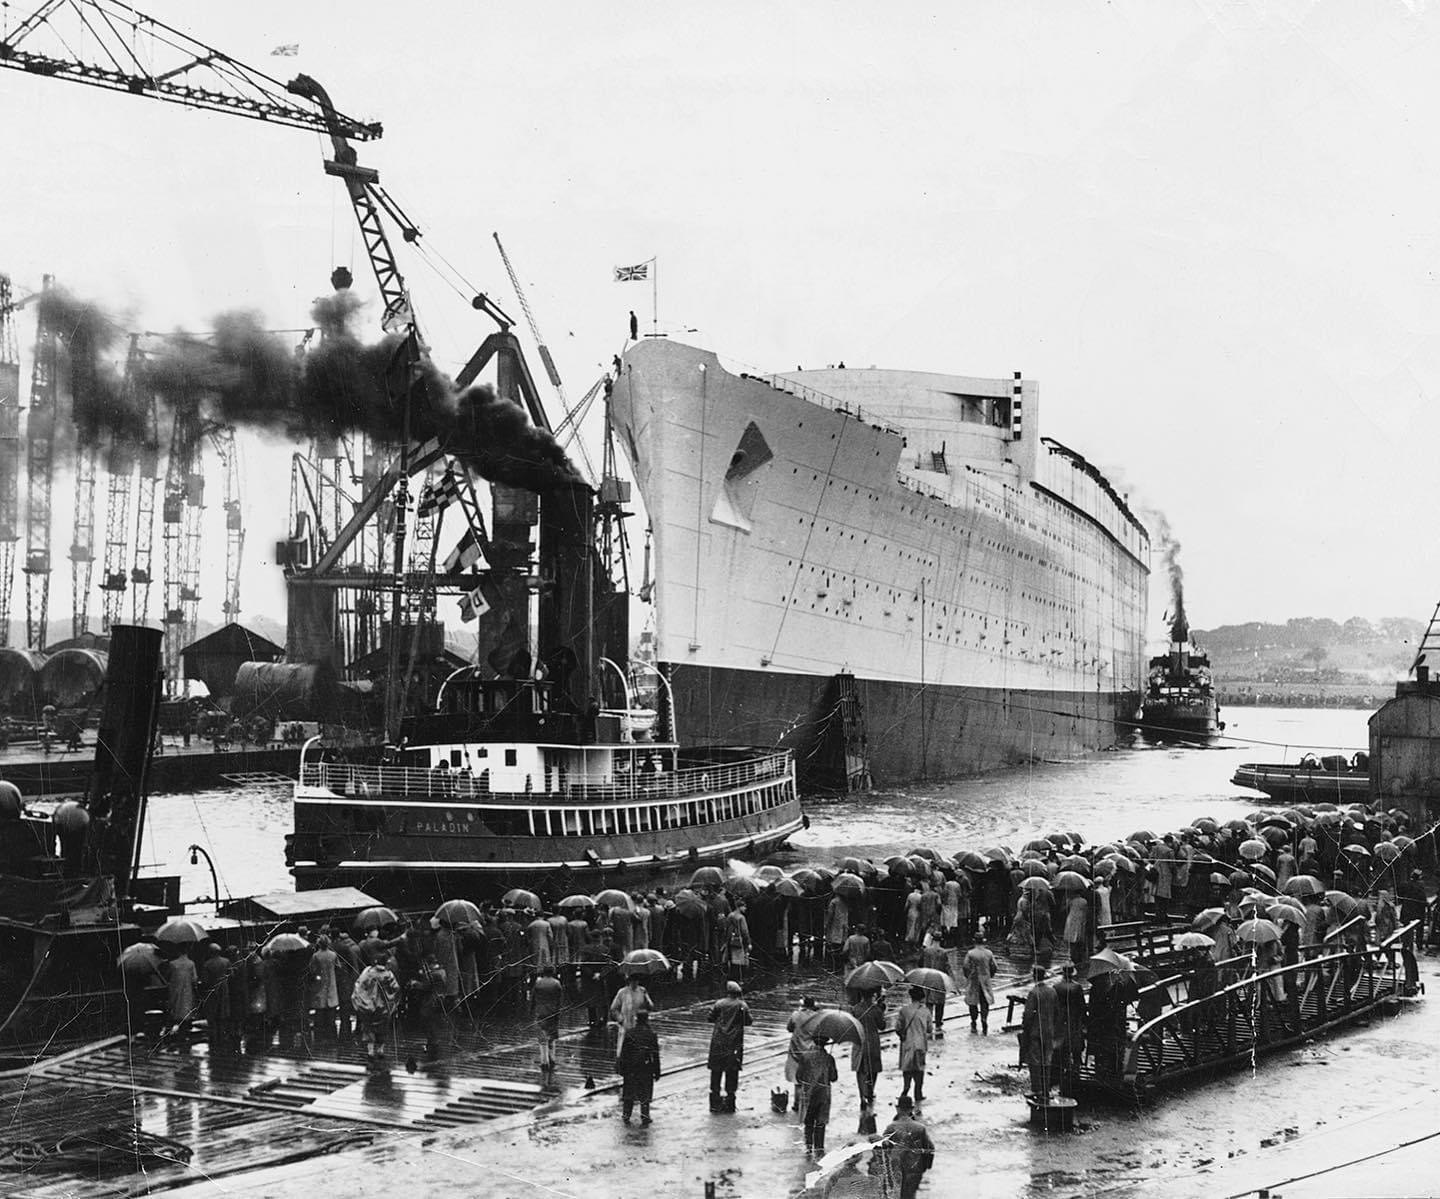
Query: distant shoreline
(1365, 696)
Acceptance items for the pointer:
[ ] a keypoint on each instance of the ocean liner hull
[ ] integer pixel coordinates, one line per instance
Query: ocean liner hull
(880, 564)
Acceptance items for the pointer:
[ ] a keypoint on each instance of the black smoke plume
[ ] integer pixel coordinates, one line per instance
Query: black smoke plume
(248, 377)
(1170, 550)
(85, 336)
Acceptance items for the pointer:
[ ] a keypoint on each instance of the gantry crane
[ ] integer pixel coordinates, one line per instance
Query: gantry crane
(9, 452)
(40, 469)
(82, 548)
(120, 467)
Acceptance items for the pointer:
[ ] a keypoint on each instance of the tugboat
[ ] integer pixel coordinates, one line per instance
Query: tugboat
(1180, 703)
(531, 779)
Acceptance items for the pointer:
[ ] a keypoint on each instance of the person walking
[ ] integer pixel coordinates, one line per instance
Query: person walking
(934, 956)
(1077, 929)
(376, 999)
(547, 1000)
(324, 989)
(814, 1075)
(906, 1152)
(727, 1046)
(865, 1058)
(979, 970)
(630, 1000)
(1038, 1030)
(913, 1023)
(737, 943)
(180, 979)
(639, 1066)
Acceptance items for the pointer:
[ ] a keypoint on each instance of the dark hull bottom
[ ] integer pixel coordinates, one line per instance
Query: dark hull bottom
(910, 733)
(1161, 722)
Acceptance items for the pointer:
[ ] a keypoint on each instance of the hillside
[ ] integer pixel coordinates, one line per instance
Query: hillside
(1311, 659)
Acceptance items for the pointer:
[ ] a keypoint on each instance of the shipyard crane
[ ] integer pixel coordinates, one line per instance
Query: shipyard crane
(9, 452)
(40, 469)
(120, 466)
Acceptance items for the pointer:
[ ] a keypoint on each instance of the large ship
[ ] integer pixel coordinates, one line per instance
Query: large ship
(889, 572)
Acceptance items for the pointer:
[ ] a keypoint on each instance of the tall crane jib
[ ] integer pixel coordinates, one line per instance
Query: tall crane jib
(40, 466)
(120, 467)
(9, 453)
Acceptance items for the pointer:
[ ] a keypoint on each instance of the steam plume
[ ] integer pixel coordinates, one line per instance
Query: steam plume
(1170, 550)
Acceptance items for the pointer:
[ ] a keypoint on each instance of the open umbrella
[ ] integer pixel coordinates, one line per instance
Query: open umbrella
(1219, 879)
(518, 897)
(377, 917)
(1208, 918)
(688, 905)
(140, 956)
(1105, 867)
(1290, 901)
(1238, 826)
(1253, 849)
(854, 865)
(870, 976)
(576, 903)
(613, 897)
(1260, 870)
(1239, 878)
(1036, 869)
(932, 980)
(1257, 931)
(1124, 861)
(644, 963)
(1038, 845)
(848, 886)
(789, 888)
(1076, 863)
(741, 888)
(1355, 851)
(1068, 880)
(925, 852)
(1284, 913)
(1144, 836)
(769, 874)
(1275, 834)
(457, 911)
(995, 853)
(1107, 961)
(707, 876)
(1194, 941)
(1345, 904)
(809, 879)
(1402, 841)
(284, 943)
(179, 931)
(1035, 883)
(1205, 824)
(970, 860)
(1303, 885)
(1387, 851)
(832, 1024)
(900, 867)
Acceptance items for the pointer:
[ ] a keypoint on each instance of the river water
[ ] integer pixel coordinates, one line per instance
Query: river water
(1102, 796)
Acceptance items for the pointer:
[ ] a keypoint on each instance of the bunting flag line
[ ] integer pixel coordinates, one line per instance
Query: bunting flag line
(473, 604)
(437, 497)
(632, 274)
(464, 555)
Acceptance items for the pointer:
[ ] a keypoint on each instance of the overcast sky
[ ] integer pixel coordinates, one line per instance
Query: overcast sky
(1209, 230)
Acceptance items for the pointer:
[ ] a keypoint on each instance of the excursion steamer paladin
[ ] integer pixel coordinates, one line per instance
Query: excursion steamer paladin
(879, 568)
(529, 780)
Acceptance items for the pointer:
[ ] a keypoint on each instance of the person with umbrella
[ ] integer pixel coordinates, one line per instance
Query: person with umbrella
(180, 980)
(979, 969)
(1070, 1030)
(913, 1023)
(376, 998)
(730, 1015)
(630, 1000)
(905, 1151)
(547, 1000)
(139, 974)
(639, 1064)
(934, 956)
(865, 1059)
(814, 1074)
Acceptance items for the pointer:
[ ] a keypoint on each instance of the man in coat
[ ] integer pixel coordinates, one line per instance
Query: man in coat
(814, 1073)
(905, 1151)
(913, 1023)
(727, 1046)
(1070, 1039)
(1038, 1033)
(639, 1066)
(547, 1000)
(865, 1058)
(630, 1000)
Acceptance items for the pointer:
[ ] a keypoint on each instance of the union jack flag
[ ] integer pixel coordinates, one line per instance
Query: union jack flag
(632, 274)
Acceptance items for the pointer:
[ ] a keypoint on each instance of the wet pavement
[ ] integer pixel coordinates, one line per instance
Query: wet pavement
(1289, 1125)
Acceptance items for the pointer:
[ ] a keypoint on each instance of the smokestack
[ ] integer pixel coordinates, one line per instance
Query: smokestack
(566, 630)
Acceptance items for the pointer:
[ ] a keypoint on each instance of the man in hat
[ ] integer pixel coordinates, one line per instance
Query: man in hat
(639, 1066)
(905, 1151)
(629, 1002)
(727, 1046)
(1070, 1038)
(1413, 903)
(1038, 1034)
(814, 1073)
(547, 999)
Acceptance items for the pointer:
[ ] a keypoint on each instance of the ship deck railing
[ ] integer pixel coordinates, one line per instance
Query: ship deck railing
(803, 391)
(385, 782)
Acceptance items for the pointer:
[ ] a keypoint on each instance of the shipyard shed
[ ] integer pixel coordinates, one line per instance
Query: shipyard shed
(1405, 754)
(216, 660)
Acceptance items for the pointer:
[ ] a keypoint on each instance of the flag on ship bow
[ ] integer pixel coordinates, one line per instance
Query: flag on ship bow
(632, 274)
